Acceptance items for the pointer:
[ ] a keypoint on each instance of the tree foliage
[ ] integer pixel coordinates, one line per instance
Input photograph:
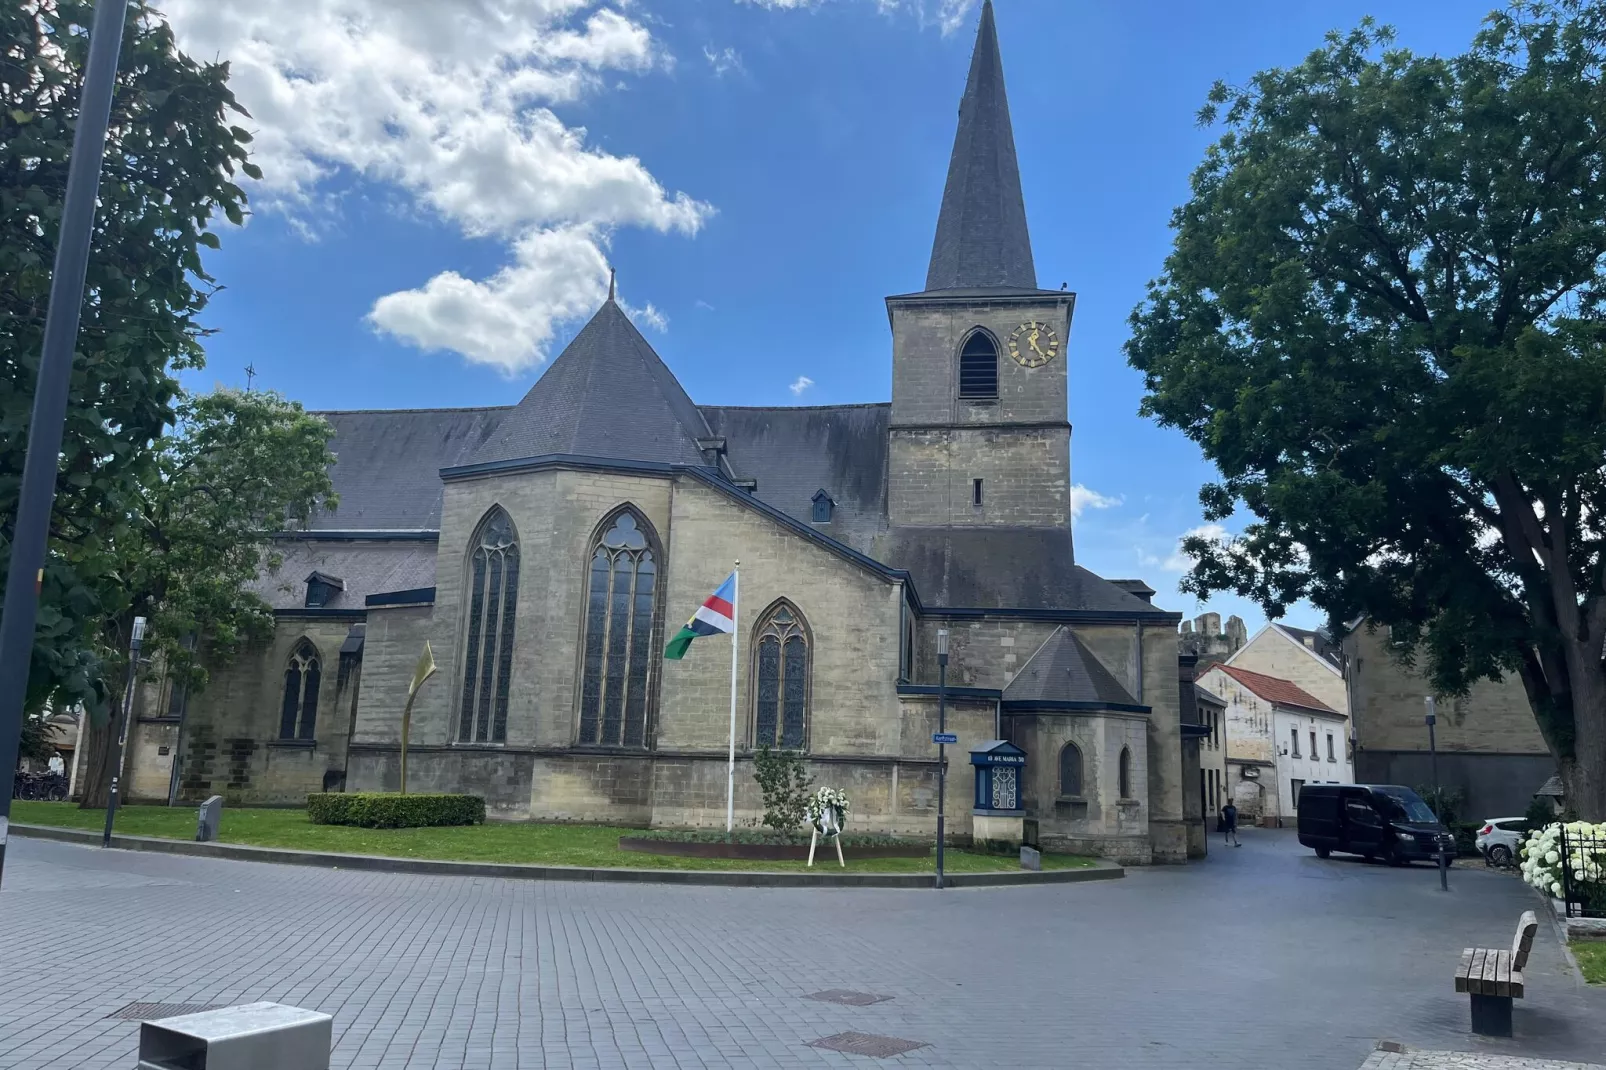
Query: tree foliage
(1382, 320)
(170, 160)
(237, 467)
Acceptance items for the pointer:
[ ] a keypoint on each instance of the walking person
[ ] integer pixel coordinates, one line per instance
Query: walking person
(1229, 825)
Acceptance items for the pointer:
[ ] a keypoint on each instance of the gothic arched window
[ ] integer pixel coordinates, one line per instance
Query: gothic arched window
(298, 717)
(781, 678)
(978, 367)
(1071, 770)
(1126, 773)
(493, 598)
(621, 629)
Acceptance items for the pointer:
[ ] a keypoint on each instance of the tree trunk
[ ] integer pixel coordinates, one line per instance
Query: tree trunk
(1583, 773)
(95, 783)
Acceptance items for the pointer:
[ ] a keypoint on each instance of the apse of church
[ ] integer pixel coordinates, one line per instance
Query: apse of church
(547, 549)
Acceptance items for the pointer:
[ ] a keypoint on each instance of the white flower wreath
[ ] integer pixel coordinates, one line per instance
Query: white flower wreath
(828, 811)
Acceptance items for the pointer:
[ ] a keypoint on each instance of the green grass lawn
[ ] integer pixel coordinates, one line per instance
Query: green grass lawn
(499, 841)
(1591, 956)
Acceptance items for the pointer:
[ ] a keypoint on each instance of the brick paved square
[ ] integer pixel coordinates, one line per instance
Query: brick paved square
(1261, 957)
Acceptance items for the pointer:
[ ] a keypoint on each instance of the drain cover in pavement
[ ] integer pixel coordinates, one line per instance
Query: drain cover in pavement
(867, 1044)
(848, 997)
(148, 1012)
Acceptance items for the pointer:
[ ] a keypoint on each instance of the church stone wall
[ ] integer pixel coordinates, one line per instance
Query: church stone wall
(981, 653)
(231, 744)
(1025, 476)
(1099, 821)
(926, 339)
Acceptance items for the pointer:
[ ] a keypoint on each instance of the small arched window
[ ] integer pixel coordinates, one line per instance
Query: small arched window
(978, 367)
(493, 598)
(620, 627)
(781, 672)
(298, 717)
(1126, 772)
(1070, 770)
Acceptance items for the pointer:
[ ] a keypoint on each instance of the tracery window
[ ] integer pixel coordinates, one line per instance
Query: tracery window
(298, 717)
(621, 628)
(781, 664)
(493, 597)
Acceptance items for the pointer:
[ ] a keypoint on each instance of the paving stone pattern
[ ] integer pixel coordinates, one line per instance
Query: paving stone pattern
(1460, 1060)
(1260, 957)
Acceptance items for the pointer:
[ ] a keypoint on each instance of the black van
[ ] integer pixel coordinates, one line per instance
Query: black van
(1375, 820)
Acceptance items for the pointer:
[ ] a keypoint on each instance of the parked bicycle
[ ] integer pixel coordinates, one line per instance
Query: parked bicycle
(40, 787)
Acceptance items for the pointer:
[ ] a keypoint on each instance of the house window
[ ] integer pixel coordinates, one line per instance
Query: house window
(1294, 735)
(975, 492)
(620, 634)
(1126, 773)
(298, 717)
(1070, 770)
(493, 596)
(1294, 787)
(1314, 756)
(781, 672)
(1330, 755)
(822, 507)
(978, 367)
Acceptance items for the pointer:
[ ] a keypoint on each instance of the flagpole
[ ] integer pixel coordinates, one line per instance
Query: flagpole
(730, 767)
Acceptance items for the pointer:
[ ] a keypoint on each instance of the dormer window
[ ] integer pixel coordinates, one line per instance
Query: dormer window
(822, 507)
(321, 587)
(978, 368)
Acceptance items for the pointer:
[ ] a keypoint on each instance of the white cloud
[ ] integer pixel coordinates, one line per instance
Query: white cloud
(1086, 498)
(451, 104)
(803, 383)
(1178, 561)
(723, 61)
(647, 315)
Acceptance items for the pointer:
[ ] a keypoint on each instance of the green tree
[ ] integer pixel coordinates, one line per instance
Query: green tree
(239, 466)
(1382, 321)
(170, 159)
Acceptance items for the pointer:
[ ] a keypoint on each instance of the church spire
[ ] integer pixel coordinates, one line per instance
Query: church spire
(981, 234)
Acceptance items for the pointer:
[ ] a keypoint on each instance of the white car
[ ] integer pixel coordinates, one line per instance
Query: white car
(1499, 839)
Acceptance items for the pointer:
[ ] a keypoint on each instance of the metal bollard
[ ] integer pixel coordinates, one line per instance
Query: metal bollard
(252, 1036)
(1444, 871)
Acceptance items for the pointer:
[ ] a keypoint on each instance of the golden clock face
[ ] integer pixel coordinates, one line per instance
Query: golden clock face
(1033, 344)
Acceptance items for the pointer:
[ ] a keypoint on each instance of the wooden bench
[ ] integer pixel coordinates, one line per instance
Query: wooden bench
(1493, 978)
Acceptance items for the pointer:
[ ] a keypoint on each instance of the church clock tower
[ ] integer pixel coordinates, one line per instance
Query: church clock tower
(979, 428)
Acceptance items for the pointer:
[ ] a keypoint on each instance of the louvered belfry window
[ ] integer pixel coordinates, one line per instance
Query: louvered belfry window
(493, 598)
(617, 674)
(978, 367)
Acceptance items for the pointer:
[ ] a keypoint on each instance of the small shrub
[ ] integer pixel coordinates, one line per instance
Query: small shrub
(784, 782)
(388, 810)
(1541, 812)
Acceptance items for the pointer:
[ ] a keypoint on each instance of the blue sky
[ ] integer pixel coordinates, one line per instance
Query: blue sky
(442, 193)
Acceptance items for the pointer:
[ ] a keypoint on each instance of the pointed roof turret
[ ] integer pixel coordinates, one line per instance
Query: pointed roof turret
(607, 395)
(982, 239)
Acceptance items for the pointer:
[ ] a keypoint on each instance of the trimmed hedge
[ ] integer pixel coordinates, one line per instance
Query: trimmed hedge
(389, 810)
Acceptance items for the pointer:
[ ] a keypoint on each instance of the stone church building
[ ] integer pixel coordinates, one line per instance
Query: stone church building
(546, 551)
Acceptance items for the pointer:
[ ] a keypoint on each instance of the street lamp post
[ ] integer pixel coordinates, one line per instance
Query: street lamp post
(126, 715)
(942, 748)
(1438, 793)
(31, 532)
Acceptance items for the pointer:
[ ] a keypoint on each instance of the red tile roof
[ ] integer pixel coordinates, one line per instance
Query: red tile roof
(1273, 689)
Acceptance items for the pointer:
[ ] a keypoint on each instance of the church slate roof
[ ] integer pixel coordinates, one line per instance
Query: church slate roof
(794, 452)
(982, 239)
(388, 463)
(607, 395)
(365, 567)
(1065, 670)
(1001, 568)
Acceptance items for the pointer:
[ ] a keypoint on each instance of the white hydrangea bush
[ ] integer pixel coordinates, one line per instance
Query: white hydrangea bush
(1586, 856)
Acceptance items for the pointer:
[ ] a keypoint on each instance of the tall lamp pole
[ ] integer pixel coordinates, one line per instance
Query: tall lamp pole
(122, 727)
(1432, 719)
(942, 748)
(30, 535)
